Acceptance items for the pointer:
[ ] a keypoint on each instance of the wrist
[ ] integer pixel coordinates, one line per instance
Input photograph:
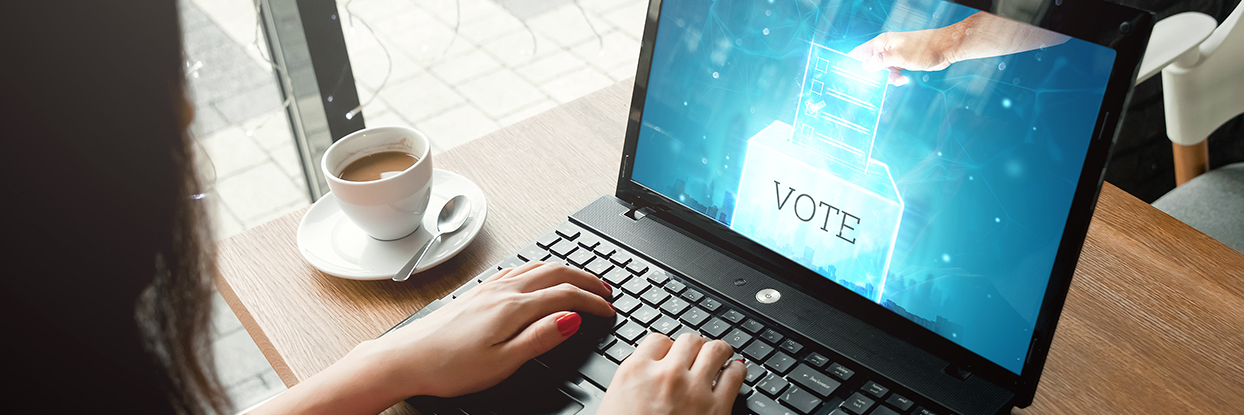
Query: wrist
(950, 41)
(375, 365)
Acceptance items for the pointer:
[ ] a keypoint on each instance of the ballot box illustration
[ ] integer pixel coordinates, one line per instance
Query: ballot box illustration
(839, 107)
(812, 190)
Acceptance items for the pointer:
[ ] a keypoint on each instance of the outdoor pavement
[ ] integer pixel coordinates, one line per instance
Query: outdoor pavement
(509, 60)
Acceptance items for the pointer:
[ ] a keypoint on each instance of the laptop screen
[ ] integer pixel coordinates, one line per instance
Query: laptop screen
(918, 152)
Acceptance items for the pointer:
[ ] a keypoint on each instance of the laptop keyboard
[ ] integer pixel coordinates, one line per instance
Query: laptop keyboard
(786, 374)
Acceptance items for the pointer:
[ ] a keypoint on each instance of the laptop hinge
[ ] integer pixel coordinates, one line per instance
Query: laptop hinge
(958, 372)
(638, 213)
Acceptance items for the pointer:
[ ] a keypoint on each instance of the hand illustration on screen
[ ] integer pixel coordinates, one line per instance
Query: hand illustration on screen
(981, 35)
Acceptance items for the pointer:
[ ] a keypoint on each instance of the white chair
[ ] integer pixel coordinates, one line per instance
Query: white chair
(1202, 70)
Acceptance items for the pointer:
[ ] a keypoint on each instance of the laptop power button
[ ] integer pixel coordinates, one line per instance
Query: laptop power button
(768, 296)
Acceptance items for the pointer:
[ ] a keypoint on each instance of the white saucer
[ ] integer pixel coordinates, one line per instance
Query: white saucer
(331, 242)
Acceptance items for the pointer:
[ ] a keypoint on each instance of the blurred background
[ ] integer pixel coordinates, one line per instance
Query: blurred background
(458, 70)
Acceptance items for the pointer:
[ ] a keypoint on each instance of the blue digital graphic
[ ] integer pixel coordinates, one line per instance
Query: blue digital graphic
(942, 199)
(840, 107)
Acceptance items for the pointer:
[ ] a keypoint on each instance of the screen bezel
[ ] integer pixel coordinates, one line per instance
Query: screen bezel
(1124, 29)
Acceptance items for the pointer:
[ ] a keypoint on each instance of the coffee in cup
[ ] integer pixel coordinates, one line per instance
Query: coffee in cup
(374, 166)
(382, 179)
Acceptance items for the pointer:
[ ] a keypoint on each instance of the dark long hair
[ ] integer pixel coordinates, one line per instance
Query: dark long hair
(110, 286)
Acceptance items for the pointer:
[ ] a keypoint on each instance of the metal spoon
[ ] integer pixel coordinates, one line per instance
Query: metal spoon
(453, 214)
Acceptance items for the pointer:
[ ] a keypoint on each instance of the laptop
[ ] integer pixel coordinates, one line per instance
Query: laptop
(878, 223)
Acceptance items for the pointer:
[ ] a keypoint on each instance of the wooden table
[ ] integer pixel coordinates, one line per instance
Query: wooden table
(1153, 323)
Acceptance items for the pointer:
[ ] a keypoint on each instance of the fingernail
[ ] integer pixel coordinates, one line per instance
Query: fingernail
(607, 287)
(740, 361)
(568, 324)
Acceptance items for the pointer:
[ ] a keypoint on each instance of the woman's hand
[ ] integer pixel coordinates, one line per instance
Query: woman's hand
(923, 50)
(686, 376)
(482, 337)
(468, 345)
(981, 35)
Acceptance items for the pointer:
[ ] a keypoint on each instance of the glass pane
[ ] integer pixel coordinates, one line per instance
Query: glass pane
(460, 69)
(240, 124)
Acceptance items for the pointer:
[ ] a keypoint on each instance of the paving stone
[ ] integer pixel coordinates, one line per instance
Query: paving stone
(254, 194)
(231, 152)
(254, 101)
(500, 93)
(576, 84)
(457, 126)
(238, 358)
(224, 322)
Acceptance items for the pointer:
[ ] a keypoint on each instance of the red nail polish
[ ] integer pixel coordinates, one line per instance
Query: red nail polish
(607, 287)
(569, 324)
(740, 361)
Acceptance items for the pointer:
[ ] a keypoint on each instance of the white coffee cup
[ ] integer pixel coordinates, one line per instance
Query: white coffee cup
(393, 206)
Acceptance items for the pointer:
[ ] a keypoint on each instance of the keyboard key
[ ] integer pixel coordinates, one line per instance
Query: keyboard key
(791, 346)
(531, 253)
(744, 390)
(692, 295)
(875, 389)
(620, 351)
(683, 329)
(733, 316)
(630, 331)
(772, 385)
(548, 240)
(780, 362)
(464, 288)
(626, 304)
(666, 325)
(899, 402)
(637, 266)
(605, 249)
(616, 276)
(581, 257)
(675, 287)
(754, 372)
(752, 326)
(563, 248)
(657, 277)
(819, 383)
(710, 304)
(598, 267)
(512, 262)
(881, 410)
(645, 314)
(599, 370)
(816, 360)
(605, 342)
(693, 317)
(923, 411)
(840, 371)
(771, 336)
(635, 286)
(762, 405)
(589, 241)
(568, 231)
(737, 338)
(857, 403)
(674, 306)
(654, 296)
(757, 351)
(800, 399)
(621, 257)
(715, 328)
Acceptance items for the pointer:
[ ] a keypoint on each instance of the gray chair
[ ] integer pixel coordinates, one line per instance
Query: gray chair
(1202, 67)
(1213, 203)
